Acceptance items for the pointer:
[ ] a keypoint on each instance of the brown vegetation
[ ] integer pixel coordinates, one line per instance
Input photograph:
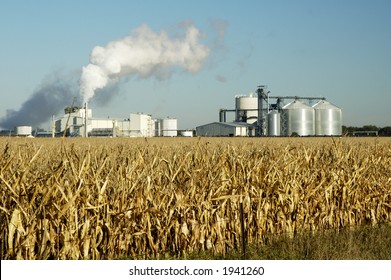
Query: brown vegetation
(105, 198)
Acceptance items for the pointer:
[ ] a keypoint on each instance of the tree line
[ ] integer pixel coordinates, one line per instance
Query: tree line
(382, 131)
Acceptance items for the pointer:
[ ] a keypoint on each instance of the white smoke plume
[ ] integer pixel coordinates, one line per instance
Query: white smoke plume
(143, 53)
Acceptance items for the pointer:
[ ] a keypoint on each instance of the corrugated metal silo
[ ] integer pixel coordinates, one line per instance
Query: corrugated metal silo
(246, 108)
(328, 119)
(297, 117)
(274, 123)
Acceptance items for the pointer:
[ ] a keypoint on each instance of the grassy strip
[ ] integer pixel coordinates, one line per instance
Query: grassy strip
(362, 243)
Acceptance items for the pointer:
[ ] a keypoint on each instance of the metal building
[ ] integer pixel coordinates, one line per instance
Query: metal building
(226, 129)
(101, 127)
(73, 122)
(141, 125)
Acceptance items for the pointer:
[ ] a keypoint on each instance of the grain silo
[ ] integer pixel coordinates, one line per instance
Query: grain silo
(328, 119)
(297, 117)
(246, 107)
(274, 123)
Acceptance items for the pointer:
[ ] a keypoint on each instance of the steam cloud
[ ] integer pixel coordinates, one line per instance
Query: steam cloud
(55, 93)
(143, 53)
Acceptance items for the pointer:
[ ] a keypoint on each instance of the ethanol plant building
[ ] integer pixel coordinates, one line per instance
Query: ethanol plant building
(77, 123)
(267, 115)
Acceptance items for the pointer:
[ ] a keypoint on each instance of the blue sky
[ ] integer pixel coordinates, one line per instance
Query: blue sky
(337, 49)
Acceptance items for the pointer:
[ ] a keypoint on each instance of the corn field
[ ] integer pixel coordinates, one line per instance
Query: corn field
(148, 198)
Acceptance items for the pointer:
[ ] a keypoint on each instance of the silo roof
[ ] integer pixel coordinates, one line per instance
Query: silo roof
(324, 104)
(296, 104)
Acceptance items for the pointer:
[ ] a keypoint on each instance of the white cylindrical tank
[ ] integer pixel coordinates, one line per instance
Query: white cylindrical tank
(187, 133)
(23, 130)
(328, 119)
(246, 108)
(169, 127)
(274, 123)
(297, 117)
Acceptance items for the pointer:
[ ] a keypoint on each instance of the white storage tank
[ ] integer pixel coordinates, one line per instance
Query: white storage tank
(246, 108)
(187, 133)
(297, 117)
(274, 123)
(23, 130)
(328, 119)
(169, 127)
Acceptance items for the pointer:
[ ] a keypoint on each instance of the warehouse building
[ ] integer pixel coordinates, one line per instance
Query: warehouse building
(226, 129)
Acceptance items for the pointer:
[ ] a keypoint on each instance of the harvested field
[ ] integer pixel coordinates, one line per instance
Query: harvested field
(142, 198)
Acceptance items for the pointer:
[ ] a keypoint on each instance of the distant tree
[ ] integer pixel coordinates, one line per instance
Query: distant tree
(348, 130)
(370, 128)
(385, 131)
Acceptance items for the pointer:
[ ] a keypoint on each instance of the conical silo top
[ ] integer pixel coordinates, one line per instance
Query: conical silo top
(295, 104)
(325, 105)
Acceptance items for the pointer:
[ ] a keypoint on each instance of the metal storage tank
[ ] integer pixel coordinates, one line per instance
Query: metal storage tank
(328, 119)
(297, 117)
(23, 130)
(246, 108)
(158, 127)
(187, 133)
(274, 123)
(169, 127)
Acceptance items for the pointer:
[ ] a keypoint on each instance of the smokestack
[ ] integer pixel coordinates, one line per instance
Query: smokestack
(86, 121)
(53, 126)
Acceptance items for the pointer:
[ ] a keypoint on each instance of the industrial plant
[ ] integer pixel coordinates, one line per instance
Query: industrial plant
(255, 114)
(79, 122)
(261, 114)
